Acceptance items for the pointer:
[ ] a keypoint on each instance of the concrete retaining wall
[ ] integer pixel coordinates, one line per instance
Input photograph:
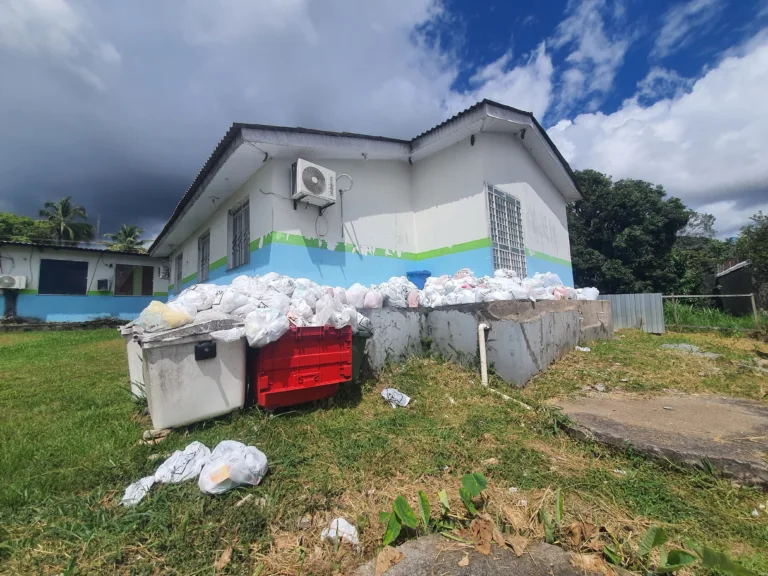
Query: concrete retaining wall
(524, 337)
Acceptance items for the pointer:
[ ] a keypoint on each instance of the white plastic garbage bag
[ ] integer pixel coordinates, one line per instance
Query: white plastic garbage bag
(548, 279)
(356, 295)
(275, 300)
(396, 291)
(331, 313)
(232, 464)
(373, 299)
(340, 295)
(270, 277)
(183, 465)
(340, 529)
(158, 316)
(135, 492)
(231, 299)
(395, 397)
(284, 285)
(198, 297)
(587, 293)
(231, 335)
(265, 325)
(185, 307)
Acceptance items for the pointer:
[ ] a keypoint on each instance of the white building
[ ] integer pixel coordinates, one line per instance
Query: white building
(485, 189)
(75, 284)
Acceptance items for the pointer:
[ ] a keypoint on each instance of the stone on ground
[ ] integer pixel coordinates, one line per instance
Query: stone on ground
(435, 554)
(730, 432)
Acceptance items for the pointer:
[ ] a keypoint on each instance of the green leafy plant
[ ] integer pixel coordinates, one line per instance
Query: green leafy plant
(549, 526)
(472, 486)
(673, 560)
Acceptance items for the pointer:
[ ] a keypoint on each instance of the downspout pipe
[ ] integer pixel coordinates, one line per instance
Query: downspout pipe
(481, 330)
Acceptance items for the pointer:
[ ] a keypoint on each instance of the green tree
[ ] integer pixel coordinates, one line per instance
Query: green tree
(68, 221)
(127, 239)
(22, 229)
(622, 235)
(697, 253)
(752, 245)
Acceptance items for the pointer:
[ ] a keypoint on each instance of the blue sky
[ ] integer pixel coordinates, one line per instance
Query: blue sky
(120, 103)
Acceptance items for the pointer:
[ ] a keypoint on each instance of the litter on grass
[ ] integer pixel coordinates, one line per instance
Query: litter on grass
(183, 465)
(230, 464)
(341, 529)
(583, 349)
(135, 492)
(395, 397)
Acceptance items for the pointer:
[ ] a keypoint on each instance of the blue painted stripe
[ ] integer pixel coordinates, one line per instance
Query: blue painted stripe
(58, 308)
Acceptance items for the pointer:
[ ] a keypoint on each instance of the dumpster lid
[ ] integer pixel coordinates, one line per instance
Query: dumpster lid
(225, 322)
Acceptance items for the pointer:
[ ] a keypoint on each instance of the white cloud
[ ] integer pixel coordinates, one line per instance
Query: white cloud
(53, 29)
(705, 146)
(663, 83)
(527, 86)
(595, 54)
(683, 22)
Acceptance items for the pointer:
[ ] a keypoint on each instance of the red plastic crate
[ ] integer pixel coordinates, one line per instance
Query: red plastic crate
(306, 364)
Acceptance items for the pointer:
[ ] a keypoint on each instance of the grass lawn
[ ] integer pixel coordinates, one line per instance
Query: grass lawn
(70, 435)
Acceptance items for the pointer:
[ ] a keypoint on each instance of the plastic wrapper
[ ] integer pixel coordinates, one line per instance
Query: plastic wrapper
(158, 316)
(135, 492)
(183, 464)
(232, 464)
(413, 299)
(265, 325)
(340, 529)
(231, 335)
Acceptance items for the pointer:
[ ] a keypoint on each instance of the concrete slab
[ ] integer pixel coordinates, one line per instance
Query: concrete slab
(434, 554)
(730, 432)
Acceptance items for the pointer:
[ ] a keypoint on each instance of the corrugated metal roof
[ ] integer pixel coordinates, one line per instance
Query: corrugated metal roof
(76, 248)
(235, 129)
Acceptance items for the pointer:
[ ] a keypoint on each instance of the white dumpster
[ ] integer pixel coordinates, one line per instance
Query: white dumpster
(132, 338)
(192, 378)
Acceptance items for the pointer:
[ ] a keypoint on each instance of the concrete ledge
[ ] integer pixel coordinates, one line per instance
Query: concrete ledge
(524, 338)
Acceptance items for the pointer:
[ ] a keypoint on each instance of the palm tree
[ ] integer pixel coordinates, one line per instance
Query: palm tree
(68, 221)
(127, 240)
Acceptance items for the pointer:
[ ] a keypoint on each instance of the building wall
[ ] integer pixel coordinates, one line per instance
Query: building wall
(25, 261)
(450, 211)
(398, 217)
(509, 167)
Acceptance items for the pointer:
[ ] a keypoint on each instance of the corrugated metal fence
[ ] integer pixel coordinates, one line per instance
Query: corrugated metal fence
(644, 311)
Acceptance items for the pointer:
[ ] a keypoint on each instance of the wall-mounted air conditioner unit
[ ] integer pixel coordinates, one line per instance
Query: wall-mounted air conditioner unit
(313, 184)
(164, 271)
(8, 282)
(104, 284)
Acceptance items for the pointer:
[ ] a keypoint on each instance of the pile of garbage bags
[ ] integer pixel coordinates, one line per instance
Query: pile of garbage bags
(268, 305)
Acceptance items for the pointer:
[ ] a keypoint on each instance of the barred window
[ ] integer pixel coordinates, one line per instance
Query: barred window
(179, 262)
(203, 256)
(241, 235)
(505, 215)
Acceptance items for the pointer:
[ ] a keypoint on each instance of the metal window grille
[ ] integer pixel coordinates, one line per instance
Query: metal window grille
(505, 215)
(179, 262)
(241, 236)
(203, 256)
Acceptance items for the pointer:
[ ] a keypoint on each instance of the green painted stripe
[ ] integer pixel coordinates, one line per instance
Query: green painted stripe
(217, 263)
(455, 249)
(547, 257)
(100, 293)
(189, 278)
(170, 287)
(161, 294)
(28, 291)
(299, 240)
